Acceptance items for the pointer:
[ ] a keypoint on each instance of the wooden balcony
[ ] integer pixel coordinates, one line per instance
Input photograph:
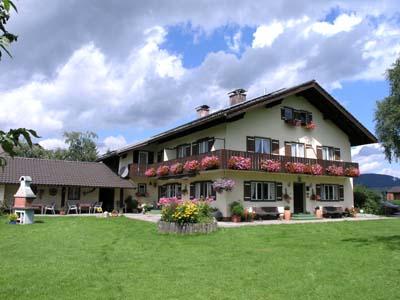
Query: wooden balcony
(256, 158)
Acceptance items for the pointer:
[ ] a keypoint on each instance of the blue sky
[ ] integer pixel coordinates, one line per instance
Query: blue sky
(145, 71)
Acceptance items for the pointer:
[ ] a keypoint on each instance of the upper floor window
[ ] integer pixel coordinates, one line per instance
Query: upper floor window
(263, 145)
(183, 151)
(203, 146)
(290, 114)
(294, 149)
(328, 153)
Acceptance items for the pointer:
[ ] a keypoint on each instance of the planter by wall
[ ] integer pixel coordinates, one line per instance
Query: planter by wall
(287, 215)
(190, 228)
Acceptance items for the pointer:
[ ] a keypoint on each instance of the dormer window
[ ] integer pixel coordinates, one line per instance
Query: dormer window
(296, 116)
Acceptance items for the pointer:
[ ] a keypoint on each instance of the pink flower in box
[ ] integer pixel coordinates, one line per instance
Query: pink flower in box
(176, 168)
(311, 125)
(270, 165)
(317, 169)
(192, 166)
(210, 162)
(239, 163)
(335, 170)
(151, 172)
(352, 172)
(165, 201)
(162, 171)
(294, 167)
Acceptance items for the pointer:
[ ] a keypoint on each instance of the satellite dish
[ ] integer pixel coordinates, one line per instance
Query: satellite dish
(124, 172)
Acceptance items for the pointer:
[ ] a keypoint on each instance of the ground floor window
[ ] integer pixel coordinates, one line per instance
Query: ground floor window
(330, 192)
(141, 189)
(170, 190)
(74, 193)
(202, 189)
(263, 191)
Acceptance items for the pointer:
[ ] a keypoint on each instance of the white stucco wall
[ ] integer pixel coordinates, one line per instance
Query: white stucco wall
(2, 193)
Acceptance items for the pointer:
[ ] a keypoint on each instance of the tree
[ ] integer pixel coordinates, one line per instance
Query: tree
(367, 199)
(6, 38)
(387, 115)
(82, 145)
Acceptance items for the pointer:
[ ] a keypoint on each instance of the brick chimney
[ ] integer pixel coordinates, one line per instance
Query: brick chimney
(202, 111)
(24, 196)
(237, 96)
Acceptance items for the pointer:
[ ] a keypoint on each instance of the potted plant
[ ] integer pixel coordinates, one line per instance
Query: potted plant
(249, 215)
(237, 212)
(12, 219)
(287, 214)
(318, 212)
(62, 211)
(114, 213)
(223, 184)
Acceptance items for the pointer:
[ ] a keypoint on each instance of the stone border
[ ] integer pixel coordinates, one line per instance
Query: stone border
(190, 228)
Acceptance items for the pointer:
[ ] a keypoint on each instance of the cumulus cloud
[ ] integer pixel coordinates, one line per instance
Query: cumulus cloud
(344, 22)
(111, 143)
(265, 35)
(52, 144)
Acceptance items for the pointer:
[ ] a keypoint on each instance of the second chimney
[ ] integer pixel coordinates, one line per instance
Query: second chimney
(202, 111)
(237, 96)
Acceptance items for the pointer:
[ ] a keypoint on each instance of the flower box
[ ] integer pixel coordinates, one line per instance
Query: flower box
(176, 168)
(210, 162)
(311, 125)
(239, 163)
(293, 167)
(334, 170)
(270, 165)
(192, 166)
(162, 171)
(352, 172)
(314, 169)
(150, 172)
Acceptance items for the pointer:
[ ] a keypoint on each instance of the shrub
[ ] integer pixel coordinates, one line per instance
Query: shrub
(176, 168)
(236, 209)
(223, 184)
(186, 212)
(293, 167)
(367, 199)
(335, 170)
(192, 166)
(162, 171)
(12, 217)
(210, 162)
(151, 172)
(270, 165)
(239, 163)
(182, 212)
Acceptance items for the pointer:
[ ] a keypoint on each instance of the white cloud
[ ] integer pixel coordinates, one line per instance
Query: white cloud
(342, 23)
(112, 143)
(265, 35)
(52, 144)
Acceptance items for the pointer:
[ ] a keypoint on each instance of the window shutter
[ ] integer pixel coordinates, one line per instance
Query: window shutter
(192, 191)
(247, 191)
(337, 154)
(319, 152)
(278, 191)
(136, 157)
(251, 145)
(195, 148)
(341, 193)
(187, 150)
(160, 156)
(318, 190)
(151, 157)
(275, 147)
(283, 113)
(288, 149)
(210, 144)
(309, 118)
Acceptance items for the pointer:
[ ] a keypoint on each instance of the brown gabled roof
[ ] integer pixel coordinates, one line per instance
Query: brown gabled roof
(61, 173)
(311, 90)
(395, 189)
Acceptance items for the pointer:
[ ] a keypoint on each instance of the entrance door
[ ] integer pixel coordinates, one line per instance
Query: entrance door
(298, 192)
(107, 197)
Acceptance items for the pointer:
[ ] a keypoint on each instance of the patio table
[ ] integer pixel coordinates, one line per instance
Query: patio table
(39, 205)
(86, 205)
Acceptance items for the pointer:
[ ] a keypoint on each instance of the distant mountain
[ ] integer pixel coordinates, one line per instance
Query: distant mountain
(377, 181)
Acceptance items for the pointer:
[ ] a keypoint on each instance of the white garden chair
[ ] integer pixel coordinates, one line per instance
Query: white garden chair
(72, 206)
(98, 207)
(50, 207)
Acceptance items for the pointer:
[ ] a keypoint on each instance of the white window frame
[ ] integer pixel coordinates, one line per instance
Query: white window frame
(208, 189)
(258, 191)
(265, 143)
(182, 150)
(328, 153)
(295, 149)
(203, 146)
(330, 192)
(173, 190)
(142, 189)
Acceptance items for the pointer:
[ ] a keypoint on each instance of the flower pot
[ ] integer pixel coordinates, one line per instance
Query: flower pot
(236, 219)
(62, 212)
(12, 222)
(318, 213)
(287, 215)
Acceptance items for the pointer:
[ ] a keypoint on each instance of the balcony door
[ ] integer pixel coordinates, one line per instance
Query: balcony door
(143, 158)
(298, 197)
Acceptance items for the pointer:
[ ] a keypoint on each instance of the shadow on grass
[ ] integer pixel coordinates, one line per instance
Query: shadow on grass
(39, 222)
(392, 241)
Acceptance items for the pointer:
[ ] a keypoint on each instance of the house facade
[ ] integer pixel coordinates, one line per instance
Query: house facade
(289, 148)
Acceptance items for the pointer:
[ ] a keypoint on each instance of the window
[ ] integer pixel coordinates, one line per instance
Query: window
(203, 146)
(173, 190)
(203, 189)
(142, 189)
(160, 156)
(74, 193)
(262, 145)
(183, 151)
(290, 114)
(263, 191)
(297, 150)
(328, 153)
(330, 192)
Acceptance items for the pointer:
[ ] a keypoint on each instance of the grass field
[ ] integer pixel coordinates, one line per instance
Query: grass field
(90, 258)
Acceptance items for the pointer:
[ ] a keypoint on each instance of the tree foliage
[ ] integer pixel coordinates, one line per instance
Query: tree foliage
(367, 199)
(387, 115)
(6, 38)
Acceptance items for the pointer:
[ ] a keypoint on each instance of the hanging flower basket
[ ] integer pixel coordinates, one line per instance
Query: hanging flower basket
(210, 162)
(239, 163)
(150, 172)
(270, 165)
(176, 168)
(192, 166)
(223, 184)
(334, 170)
(162, 171)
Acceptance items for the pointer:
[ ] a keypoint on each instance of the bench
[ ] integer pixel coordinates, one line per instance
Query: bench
(332, 212)
(266, 212)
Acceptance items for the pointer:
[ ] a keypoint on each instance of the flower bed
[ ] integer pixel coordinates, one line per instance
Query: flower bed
(162, 171)
(192, 166)
(239, 163)
(176, 168)
(223, 184)
(270, 165)
(335, 170)
(352, 172)
(210, 162)
(295, 167)
(150, 172)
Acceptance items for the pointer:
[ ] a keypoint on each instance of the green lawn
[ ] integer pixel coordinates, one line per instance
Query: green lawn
(396, 202)
(90, 258)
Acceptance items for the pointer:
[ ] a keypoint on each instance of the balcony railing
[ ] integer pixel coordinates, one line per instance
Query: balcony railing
(256, 158)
